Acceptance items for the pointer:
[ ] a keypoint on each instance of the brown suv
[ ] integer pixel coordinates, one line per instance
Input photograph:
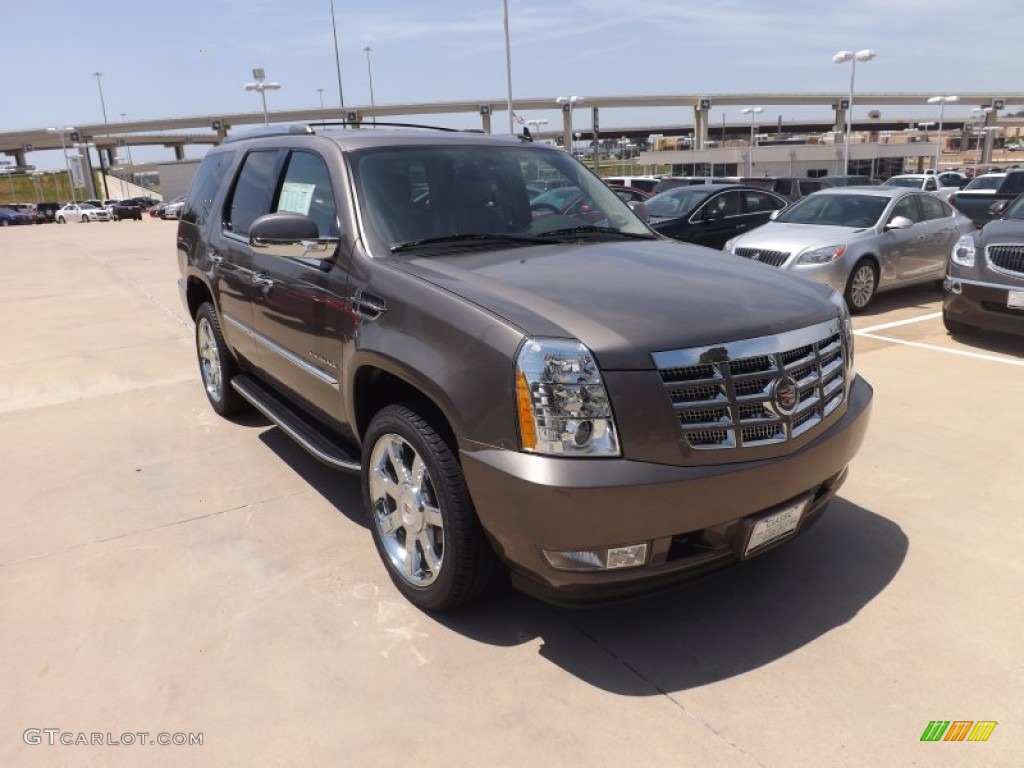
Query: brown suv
(592, 406)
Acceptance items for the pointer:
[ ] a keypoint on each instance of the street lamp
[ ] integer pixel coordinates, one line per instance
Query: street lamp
(536, 123)
(67, 163)
(567, 102)
(99, 85)
(262, 86)
(369, 71)
(977, 158)
(127, 145)
(841, 58)
(943, 100)
(321, 92)
(981, 113)
(753, 112)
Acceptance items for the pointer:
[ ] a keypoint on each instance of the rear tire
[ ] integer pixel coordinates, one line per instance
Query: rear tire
(421, 516)
(216, 365)
(60, 220)
(862, 286)
(85, 219)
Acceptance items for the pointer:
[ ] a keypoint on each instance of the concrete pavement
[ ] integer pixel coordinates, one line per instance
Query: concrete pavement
(163, 570)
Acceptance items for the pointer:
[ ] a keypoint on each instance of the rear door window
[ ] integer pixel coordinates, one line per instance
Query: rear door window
(253, 192)
(204, 187)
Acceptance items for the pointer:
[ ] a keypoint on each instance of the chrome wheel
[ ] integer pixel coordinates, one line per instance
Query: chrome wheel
(405, 510)
(862, 286)
(209, 359)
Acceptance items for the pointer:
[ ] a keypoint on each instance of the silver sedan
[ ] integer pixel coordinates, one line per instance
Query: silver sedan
(859, 240)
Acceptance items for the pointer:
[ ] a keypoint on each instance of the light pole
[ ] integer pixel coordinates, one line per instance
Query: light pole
(981, 113)
(982, 133)
(67, 163)
(508, 69)
(99, 85)
(943, 100)
(337, 58)
(369, 72)
(262, 86)
(323, 115)
(127, 145)
(753, 112)
(841, 58)
(567, 102)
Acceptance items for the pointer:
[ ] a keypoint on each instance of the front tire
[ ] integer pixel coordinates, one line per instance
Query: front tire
(862, 285)
(85, 219)
(956, 328)
(60, 220)
(421, 516)
(216, 365)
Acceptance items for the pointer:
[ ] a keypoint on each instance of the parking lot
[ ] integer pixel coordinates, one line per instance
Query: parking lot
(163, 570)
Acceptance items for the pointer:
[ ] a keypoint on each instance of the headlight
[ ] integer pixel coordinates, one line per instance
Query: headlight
(822, 255)
(561, 402)
(729, 245)
(963, 251)
(846, 328)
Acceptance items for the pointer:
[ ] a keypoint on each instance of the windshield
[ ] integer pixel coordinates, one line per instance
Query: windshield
(896, 181)
(677, 202)
(439, 194)
(1015, 210)
(986, 182)
(842, 210)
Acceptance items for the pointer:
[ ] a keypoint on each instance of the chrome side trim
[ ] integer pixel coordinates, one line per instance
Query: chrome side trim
(983, 284)
(287, 354)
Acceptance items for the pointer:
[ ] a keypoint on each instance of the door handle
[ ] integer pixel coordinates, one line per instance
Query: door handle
(215, 258)
(260, 280)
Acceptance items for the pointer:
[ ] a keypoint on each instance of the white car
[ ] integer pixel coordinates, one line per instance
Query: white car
(924, 182)
(83, 212)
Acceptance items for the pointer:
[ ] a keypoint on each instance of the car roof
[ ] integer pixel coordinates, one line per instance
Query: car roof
(867, 190)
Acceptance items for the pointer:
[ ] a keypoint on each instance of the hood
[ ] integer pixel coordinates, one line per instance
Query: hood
(625, 300)
(1003, 231)
(793, 238)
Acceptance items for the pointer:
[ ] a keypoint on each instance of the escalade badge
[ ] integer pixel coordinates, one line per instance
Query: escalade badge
(785, 395)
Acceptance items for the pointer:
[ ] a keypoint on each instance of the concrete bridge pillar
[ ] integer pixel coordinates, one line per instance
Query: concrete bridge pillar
(179, 151)
(700, 125)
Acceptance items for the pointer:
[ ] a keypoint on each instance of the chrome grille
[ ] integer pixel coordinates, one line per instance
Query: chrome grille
(1006, 258)
(724, 395)
(771, 258)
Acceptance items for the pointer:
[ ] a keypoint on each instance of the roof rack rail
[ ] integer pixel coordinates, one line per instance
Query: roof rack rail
(281, 130)
(365, 125)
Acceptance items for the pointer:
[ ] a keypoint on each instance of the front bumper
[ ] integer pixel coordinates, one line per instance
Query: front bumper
(982, 304)
(692, 518)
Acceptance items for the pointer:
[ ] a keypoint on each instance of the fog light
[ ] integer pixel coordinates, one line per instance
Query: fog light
(597, 559)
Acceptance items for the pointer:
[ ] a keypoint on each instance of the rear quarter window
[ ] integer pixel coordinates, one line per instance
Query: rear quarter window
(203, 190)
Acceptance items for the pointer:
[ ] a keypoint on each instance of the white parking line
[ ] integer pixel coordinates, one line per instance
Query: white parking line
(935, 348)
(895, 323)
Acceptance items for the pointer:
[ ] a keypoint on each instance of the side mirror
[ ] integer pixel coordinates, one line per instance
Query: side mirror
(900, 222)
(640, 209)
(291, 236)
(997, 208)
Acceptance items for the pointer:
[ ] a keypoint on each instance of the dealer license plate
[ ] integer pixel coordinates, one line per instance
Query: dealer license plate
(775, 526)
(1015, 300)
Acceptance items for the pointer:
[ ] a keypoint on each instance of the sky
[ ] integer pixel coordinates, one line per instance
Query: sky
(188, 57)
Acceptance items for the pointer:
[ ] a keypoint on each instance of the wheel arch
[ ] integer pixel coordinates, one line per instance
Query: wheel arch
(376, 385)
(197, 292)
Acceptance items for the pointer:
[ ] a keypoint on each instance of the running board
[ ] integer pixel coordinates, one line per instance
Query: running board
(294, 424)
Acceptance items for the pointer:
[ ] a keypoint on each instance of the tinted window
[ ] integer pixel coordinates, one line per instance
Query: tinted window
(759, 201)
(676, 202)
(933, 208)
(720, 206)
(253, 191)
(930, 185)
(1014, 183)
(807, 187)
(204, 187)
(306, 189)
(906, 207)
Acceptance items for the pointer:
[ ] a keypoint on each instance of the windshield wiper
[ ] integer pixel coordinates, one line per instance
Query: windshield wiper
(590, 229)
(472, 238)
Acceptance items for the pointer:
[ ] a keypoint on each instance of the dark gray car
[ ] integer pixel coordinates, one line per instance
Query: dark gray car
(574, 398)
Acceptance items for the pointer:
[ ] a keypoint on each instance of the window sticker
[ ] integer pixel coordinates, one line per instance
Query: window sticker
(296, 197)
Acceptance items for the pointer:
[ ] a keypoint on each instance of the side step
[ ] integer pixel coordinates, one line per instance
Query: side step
(294, 424)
